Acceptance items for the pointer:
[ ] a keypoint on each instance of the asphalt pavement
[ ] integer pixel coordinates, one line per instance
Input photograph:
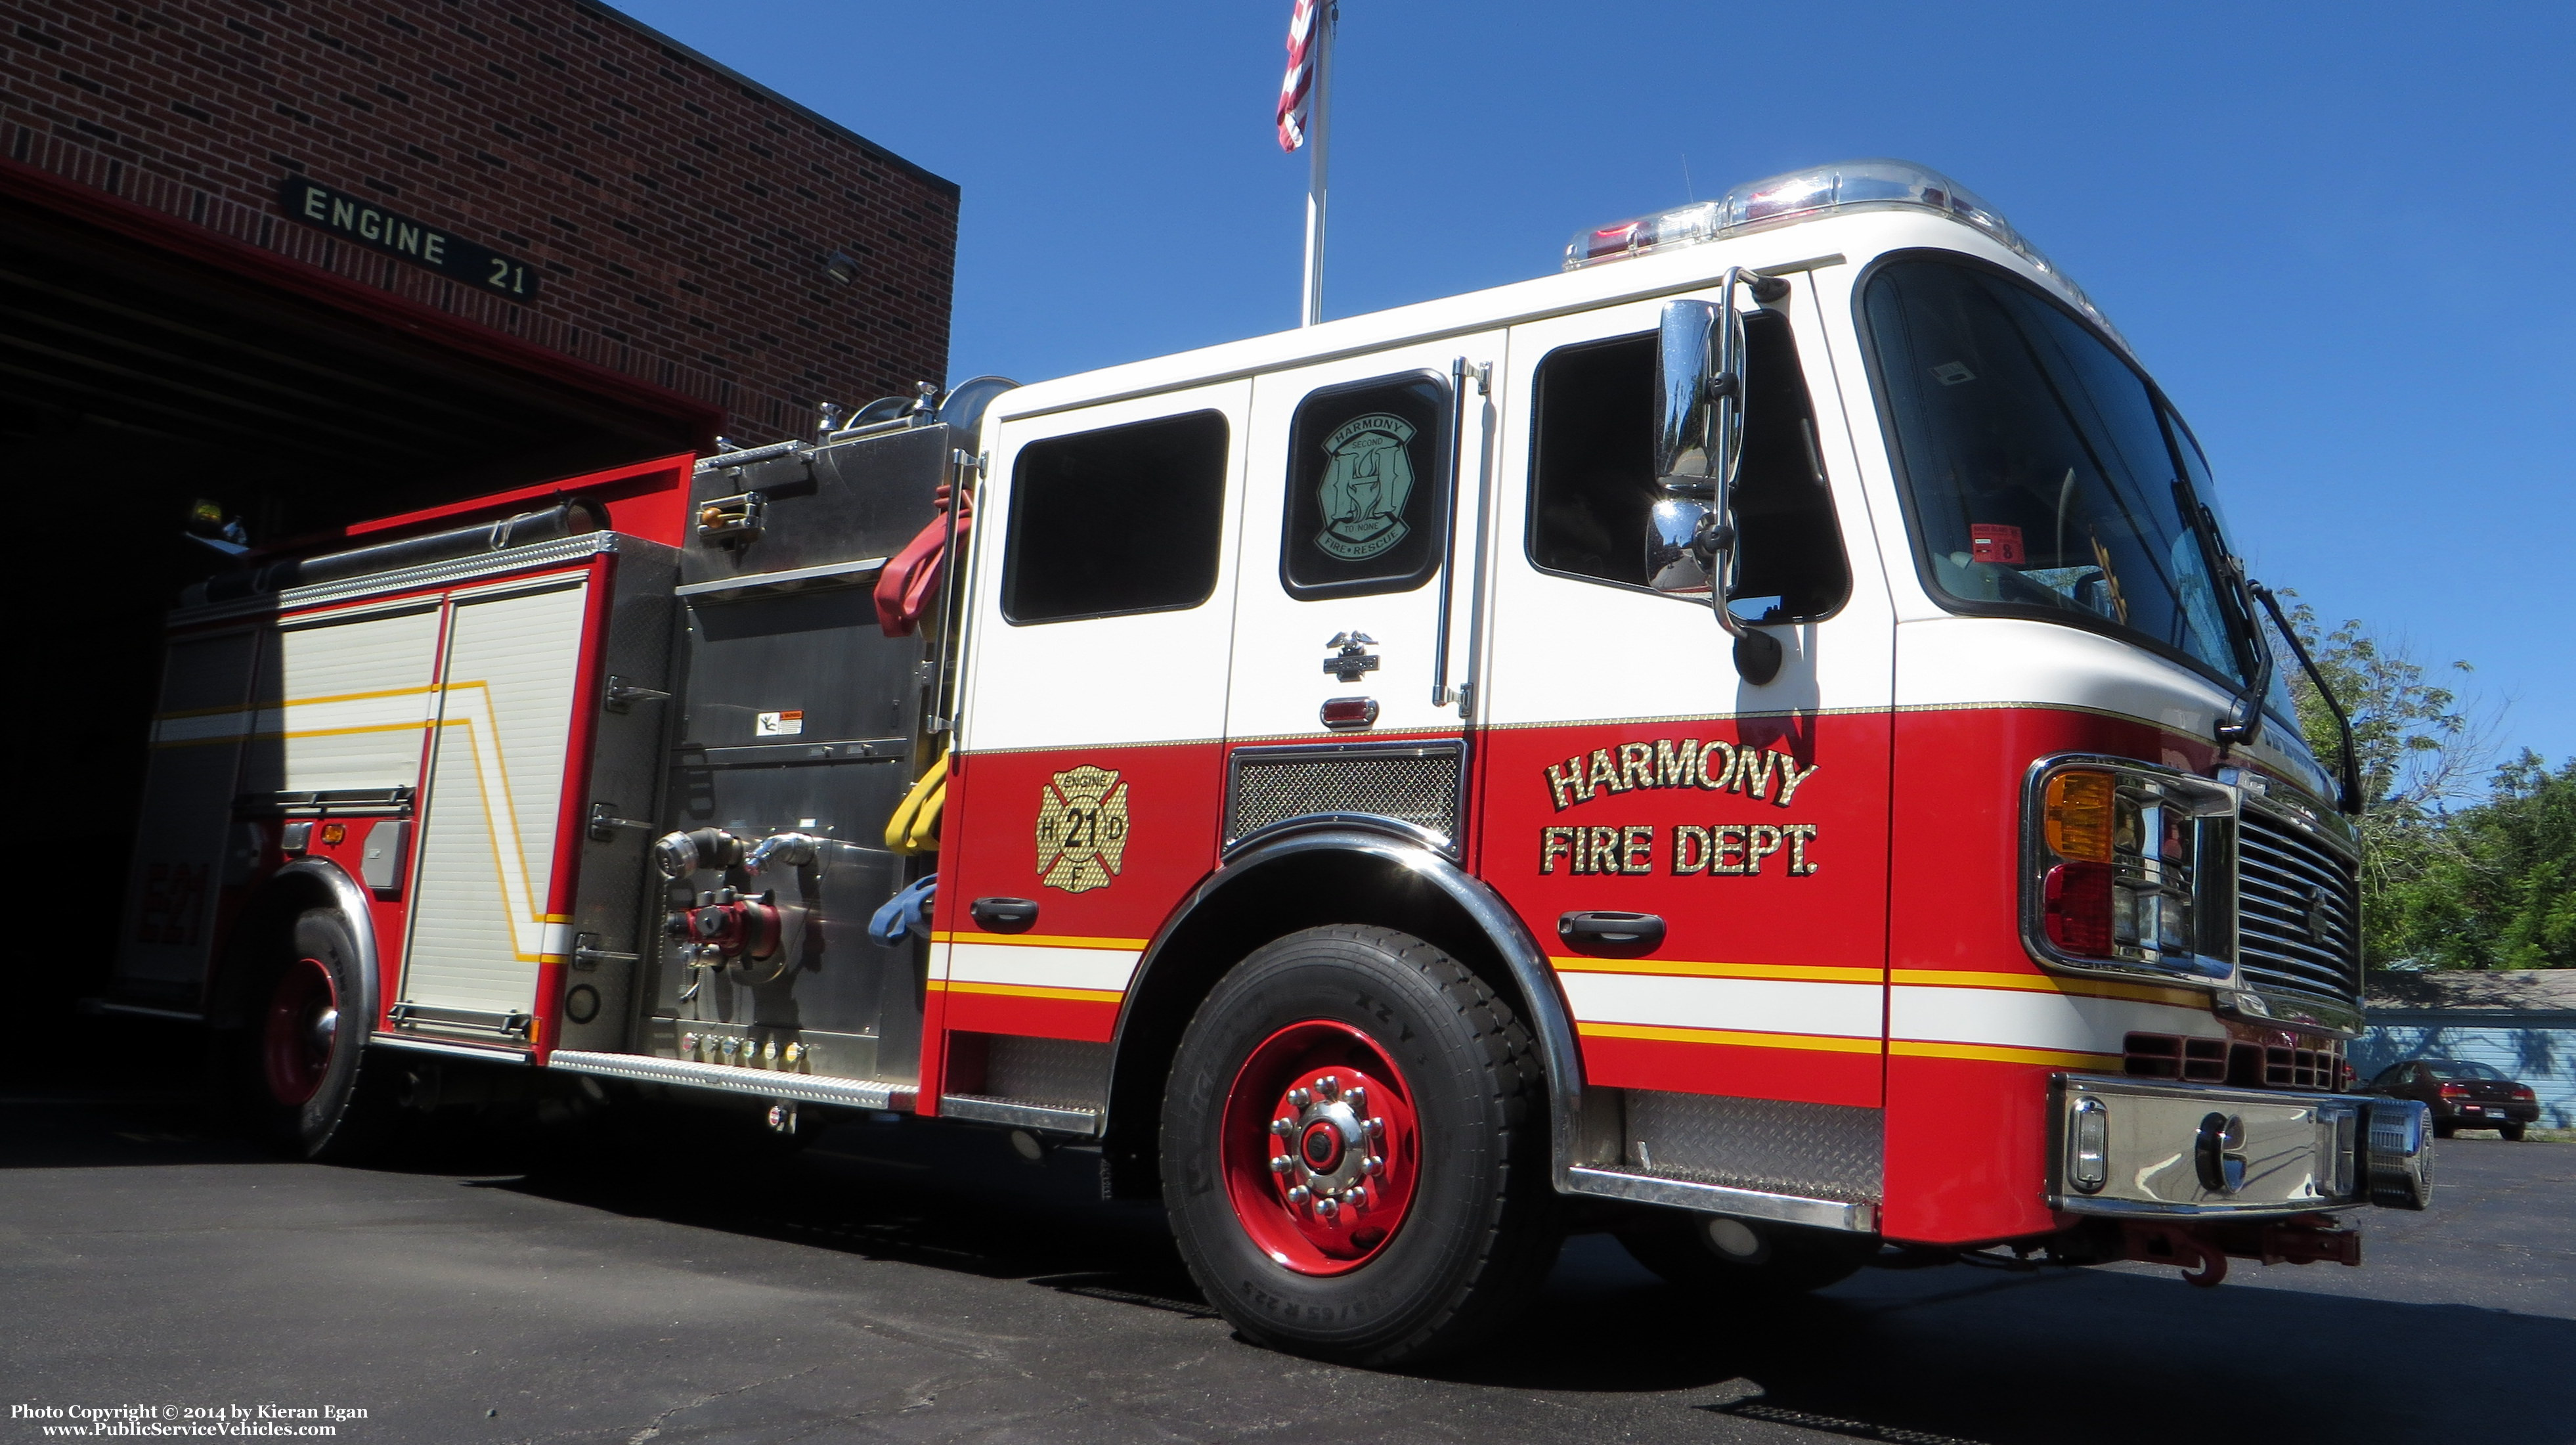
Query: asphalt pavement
(903, 1281)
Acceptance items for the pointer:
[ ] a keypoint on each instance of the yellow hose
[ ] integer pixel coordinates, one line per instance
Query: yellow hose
(914, 828)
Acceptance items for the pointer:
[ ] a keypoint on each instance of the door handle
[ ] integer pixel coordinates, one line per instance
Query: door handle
(1004, 915)
(1611, 932)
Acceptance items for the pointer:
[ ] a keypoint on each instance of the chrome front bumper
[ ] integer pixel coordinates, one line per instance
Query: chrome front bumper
(2157, 1149)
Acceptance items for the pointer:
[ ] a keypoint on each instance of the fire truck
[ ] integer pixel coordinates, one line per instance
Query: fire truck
(1759, 741)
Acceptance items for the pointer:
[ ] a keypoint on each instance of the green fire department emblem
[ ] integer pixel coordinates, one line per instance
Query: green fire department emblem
(1364, 487)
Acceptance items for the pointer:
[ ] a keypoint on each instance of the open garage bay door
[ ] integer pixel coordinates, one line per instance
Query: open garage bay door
(139, 373)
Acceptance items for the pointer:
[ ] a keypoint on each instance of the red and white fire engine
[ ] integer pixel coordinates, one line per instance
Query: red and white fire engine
(1758, 741)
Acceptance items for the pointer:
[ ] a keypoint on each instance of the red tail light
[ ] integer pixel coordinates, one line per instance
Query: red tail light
(2078, 901)
(2455, 1091)
(2523, 1091)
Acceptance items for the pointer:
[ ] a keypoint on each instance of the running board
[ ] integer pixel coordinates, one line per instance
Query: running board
(766, 1083)
(1855, 1217)
(1054, 1118)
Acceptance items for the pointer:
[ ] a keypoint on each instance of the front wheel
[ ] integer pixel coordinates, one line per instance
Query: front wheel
(1354, 1149)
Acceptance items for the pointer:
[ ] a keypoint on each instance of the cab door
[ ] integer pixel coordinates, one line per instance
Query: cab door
(1083, 802)
(1354, 613)
(1628, 769)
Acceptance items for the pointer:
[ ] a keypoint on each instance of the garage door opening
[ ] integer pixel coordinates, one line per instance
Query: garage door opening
(139, 379)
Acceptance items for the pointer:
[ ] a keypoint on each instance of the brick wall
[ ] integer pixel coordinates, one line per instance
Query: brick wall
(680, 216)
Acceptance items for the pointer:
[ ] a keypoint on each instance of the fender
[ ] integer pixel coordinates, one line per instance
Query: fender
(1386, 842)
(350, 900)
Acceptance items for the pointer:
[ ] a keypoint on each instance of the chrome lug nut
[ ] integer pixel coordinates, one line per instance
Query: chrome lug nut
(1328, 1086)
(1356, 1098)
(1329, 1207)
(1299, 1098)
(1372, 1164)
(1372, 1127)
(1297, 1193)
(1358, 1196)
(1281, 1163)
(1283, 1126)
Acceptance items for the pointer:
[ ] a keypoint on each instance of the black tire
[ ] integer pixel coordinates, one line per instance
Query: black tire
(1780, 1260)
(350, 1112)
(2512, 1132)
(1480, 1230)
(2444, 1128)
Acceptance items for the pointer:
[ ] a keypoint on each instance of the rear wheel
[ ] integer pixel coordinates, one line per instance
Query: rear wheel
(2444, 1128)
(307, 1037)
(2512, 1132)
(1711, 1252)
(1354, 1153)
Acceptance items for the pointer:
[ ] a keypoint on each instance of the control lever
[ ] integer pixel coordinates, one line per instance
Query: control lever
(1611, 933)
(604, 822)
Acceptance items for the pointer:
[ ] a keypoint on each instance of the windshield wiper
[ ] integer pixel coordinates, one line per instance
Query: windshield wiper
(2349, 775)
(2244, 720)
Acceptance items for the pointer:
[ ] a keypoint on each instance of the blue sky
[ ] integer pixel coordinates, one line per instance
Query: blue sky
(2339, 235)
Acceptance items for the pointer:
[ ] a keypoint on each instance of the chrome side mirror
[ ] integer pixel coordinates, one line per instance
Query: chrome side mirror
(1678, 557)
(1699, 439)
(1688, 365)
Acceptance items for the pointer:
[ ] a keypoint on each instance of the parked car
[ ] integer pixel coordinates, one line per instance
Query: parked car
(2463, 1093)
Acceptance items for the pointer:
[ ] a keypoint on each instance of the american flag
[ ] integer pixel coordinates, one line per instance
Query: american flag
(1297, 87)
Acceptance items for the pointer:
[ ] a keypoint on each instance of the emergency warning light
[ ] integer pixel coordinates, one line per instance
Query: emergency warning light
(1878, 184)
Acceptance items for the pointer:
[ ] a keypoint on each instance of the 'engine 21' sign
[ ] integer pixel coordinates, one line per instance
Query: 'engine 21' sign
(418, 242)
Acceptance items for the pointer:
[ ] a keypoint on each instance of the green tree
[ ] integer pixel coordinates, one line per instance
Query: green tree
(2501, 890)
(2417, 751)
(2454, 875)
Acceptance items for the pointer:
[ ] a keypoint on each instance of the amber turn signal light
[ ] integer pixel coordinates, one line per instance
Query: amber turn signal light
(2077, 812)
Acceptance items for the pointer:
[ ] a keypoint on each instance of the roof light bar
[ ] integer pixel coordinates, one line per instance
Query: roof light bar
(1807, 194)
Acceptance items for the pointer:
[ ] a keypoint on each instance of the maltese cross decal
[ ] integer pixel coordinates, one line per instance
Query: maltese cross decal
(1082, 829)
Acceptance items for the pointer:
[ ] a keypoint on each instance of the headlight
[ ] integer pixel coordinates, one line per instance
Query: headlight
(2130, 868)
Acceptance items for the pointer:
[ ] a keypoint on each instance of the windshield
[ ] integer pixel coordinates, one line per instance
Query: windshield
(2044, 472)
(2461, 1069)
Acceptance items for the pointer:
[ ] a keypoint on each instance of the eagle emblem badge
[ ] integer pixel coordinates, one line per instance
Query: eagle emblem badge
(1082, 829)
(1365, 486)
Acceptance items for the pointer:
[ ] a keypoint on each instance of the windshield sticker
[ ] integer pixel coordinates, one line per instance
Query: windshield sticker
(1951, 373)
(1365, 486)
(1995, 542)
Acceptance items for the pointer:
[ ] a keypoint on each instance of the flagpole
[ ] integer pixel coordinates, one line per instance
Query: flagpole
(1318, 136)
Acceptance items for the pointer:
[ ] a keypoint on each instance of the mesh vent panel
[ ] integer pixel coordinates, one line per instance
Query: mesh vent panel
(1415, 785)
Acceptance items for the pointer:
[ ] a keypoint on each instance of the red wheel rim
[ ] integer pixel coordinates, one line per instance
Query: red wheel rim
(1321, 1147)
(303, 1026)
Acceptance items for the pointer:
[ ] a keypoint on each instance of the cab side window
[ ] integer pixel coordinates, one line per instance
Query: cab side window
(1121, 520)
(1368, 489)
(1592, 474)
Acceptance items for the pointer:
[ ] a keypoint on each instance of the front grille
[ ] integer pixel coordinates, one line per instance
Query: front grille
(2243, 1065)
(1415, 783)
(2171, 1056)
(2298, 911)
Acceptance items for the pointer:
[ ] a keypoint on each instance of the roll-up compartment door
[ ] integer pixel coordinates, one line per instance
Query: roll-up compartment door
(480, 923)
